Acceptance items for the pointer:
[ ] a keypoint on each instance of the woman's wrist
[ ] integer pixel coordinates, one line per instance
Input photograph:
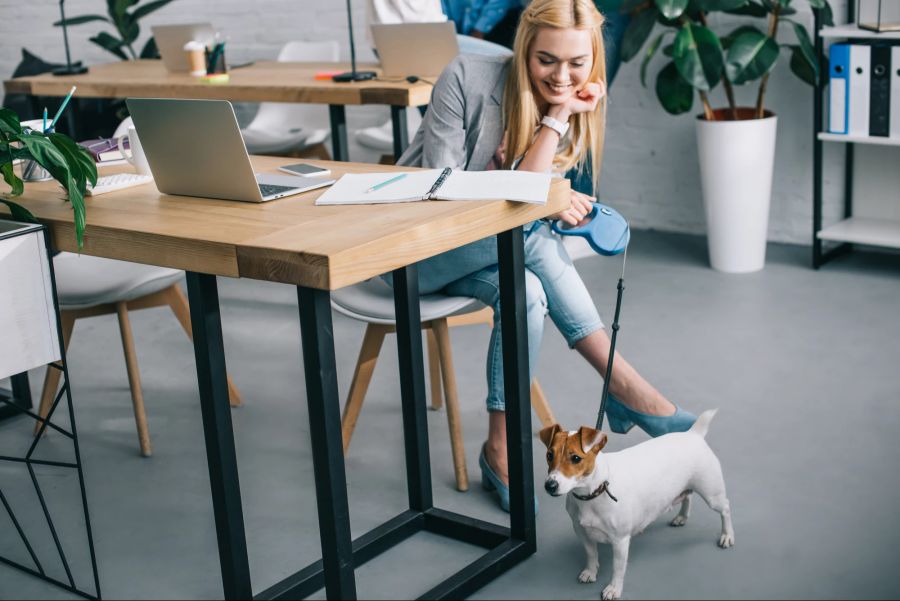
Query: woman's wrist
(559, 112)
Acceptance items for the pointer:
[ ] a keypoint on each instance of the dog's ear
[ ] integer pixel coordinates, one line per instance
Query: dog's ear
(592, 441)
(548, 433)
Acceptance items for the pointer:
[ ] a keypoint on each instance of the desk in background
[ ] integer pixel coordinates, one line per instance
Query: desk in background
(319, 249)
(265, 81)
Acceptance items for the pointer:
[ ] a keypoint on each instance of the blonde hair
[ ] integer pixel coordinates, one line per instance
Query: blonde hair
(521, 116)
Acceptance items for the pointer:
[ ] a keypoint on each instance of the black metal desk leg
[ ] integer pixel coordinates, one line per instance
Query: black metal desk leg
(400, 129)
(412, 387)
(209, 352)
(327, 443)
(338, 117)
(516, 379)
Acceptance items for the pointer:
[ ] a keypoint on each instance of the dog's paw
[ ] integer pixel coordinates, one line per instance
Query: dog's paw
(726, 540)
(588, 575)
(611, 592)
(679, 520)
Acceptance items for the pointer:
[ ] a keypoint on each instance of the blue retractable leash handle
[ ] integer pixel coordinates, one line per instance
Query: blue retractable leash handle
(608, 234)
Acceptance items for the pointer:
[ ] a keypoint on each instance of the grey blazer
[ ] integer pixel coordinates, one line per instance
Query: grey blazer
(463, 126)
(462, 129)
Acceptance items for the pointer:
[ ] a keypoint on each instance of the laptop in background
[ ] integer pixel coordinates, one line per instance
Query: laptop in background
(421, 49)
(195, 148)
(170, 39)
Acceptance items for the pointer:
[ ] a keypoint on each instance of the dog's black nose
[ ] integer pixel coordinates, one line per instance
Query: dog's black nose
(551, 486)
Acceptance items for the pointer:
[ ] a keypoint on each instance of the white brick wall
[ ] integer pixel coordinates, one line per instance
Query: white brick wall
(650, 171)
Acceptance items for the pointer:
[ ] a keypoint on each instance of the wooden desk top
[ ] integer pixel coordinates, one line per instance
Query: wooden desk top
(289, 240)
(263, 81)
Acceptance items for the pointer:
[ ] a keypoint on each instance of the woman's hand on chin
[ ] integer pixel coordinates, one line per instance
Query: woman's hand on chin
(581, 206)
(584, 100)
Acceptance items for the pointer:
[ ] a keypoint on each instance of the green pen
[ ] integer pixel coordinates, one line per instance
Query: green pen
(385, 183)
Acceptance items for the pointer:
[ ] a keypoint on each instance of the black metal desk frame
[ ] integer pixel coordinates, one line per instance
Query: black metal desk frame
(339, 146)
(340, 554)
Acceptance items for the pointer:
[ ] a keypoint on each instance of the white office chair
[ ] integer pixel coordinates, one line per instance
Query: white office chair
(372, 302)
(91, 286)
(282, 127)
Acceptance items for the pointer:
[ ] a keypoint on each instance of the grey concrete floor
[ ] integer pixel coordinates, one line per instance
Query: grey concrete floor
(803, 365)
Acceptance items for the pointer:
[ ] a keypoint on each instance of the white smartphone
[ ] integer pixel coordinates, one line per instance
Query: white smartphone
(305, 170)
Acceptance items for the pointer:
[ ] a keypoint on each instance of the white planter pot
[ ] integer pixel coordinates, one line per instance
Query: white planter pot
(736, 163)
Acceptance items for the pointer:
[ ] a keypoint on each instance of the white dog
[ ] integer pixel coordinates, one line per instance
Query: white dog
(614, 496)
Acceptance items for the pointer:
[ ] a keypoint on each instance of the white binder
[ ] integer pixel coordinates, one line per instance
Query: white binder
(895, 92)
(860, 62)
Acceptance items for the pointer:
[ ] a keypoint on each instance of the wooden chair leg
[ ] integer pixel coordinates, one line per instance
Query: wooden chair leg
(179, 304)
(134, 379)
(362, 375)
(454, 422)
(540, 405)
(51, 379)
(434, 371)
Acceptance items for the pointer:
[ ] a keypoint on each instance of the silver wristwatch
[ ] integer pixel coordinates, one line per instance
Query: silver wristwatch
(560, 127)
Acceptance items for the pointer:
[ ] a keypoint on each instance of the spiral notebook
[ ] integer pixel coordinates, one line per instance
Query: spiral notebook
(438, 184)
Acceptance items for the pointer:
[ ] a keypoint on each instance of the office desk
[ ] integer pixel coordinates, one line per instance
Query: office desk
(264, 81)
(319, 249)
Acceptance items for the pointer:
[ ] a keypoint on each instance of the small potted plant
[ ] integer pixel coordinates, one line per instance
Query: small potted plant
(69, 164)
(736, 144)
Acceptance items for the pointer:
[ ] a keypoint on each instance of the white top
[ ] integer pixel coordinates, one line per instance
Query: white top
(405, 11)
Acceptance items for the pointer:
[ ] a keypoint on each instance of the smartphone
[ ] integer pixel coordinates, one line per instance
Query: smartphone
(305, 169)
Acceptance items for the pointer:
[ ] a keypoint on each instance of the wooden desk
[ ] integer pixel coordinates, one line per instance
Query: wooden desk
(264, 81)
(320, 249)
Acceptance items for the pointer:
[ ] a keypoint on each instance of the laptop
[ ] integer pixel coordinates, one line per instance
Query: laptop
(400, 48)
(170, 40)
(195, 148)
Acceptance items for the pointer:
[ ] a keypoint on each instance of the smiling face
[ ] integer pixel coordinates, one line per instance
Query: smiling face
(559, 63)
(570, 457)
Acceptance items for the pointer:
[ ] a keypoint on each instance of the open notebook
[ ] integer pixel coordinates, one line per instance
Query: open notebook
(439, 184)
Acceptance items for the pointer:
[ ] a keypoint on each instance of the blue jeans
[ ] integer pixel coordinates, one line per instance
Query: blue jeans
(552, 285)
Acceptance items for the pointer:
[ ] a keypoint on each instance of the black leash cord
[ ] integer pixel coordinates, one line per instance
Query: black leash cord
(612, 346)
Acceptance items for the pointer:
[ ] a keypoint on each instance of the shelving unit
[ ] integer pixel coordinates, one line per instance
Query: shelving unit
(852, 229)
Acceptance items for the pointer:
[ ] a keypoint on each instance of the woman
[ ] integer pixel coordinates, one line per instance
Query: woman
(541, 110)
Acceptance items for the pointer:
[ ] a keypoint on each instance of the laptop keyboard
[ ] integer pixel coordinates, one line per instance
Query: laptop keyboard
(270, 189)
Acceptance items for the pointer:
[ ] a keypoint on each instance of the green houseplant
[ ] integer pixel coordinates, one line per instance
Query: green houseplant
(736, 145)
(124, 16)
(69, 164)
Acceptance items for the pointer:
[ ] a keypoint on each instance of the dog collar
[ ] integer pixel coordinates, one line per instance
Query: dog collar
(603, 488)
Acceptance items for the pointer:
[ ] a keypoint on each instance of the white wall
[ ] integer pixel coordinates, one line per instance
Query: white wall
(650, 171)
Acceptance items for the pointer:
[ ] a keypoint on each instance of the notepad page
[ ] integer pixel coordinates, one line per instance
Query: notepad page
(351, 188)
(521, 186)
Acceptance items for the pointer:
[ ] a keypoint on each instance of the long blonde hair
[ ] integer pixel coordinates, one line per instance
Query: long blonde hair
(521, 116)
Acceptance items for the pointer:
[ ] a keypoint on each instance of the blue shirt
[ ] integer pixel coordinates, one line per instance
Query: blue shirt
(481, 15)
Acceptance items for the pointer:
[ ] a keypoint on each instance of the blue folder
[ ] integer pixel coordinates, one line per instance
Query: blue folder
(839, 88)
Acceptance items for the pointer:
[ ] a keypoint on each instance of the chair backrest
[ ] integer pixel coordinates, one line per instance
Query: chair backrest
(284, 115)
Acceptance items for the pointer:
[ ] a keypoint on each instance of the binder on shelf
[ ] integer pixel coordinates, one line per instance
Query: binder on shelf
(895, 92)
(880, 91)
(838, 88)
(858, 101)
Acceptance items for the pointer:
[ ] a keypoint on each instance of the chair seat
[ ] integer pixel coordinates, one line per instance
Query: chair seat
(372, 301)
(261, 141)
(83, 281)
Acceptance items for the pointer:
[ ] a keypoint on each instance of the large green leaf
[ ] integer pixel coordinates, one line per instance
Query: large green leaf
(671, 9)
(48, 156)
(651, 51)
(729, 39)
(81, 19)
(117, 8)
(828, 15)
(637, 32)
(709, 6)
(807, 49)
(130, 30)
(77, 157)
(10, 177)
(698, 56)
(674, 93)
(750, 9)
(801, 67)
(146, 9)
(751, 55)
(108, 42)
(9, 122)
(18, 212)
(150, 50)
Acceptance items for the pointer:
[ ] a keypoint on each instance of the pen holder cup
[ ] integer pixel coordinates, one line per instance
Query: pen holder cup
(31, 171)
(215, 61)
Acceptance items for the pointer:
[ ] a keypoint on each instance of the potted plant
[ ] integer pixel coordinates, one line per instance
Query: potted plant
(736, 144)
(69, 164)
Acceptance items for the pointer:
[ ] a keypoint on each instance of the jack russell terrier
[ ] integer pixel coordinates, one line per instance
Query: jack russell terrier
(614, 496)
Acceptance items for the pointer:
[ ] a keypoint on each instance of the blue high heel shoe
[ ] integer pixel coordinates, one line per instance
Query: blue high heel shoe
(490, 481)
(622, 419)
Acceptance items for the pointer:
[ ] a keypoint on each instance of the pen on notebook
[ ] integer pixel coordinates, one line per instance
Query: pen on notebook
(385, 183)
(62, 107)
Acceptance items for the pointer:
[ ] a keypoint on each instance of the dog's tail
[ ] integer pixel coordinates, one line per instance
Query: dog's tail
(701, 426)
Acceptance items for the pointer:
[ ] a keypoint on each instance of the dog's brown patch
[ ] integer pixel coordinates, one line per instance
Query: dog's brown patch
(572, 454)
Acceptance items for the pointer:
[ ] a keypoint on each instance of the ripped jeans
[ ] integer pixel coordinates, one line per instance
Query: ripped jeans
(552, 285)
